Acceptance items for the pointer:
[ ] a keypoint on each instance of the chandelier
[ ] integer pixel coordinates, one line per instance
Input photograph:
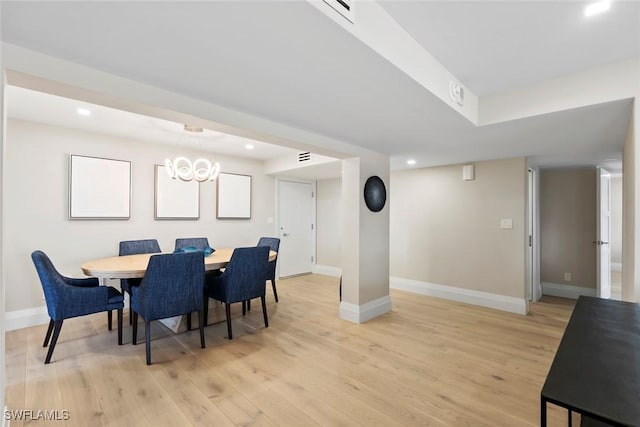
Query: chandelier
(200, 169)
(186, 170)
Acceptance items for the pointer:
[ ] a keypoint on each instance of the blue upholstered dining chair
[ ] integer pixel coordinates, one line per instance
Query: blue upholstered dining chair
(201, 243)
(135, 247)
(172, 286)
(192, 242)
(243, 279)
(274, 245)
(67, 297)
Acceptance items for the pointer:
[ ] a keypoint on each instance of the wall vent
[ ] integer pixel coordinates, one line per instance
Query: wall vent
(303, 157)
(343, 7)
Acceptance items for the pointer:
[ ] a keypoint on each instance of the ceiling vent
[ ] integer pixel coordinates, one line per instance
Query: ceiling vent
(303, 157)
(343, 7)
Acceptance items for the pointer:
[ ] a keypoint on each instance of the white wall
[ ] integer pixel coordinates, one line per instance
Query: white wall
(3, 280)
(36, 211)
(329, 222)
(616, 221)
(446, 231)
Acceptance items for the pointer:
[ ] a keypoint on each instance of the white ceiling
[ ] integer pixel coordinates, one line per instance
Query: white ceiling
(495, 46)
(54, 110)
(288, 62)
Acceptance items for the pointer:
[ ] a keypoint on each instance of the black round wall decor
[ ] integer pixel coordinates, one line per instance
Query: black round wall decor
(375, 194)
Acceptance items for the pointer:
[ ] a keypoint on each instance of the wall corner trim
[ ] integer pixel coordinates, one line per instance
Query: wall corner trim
(361, 313)
(467, 296)
(19, 319)
(327, 270)
(616, 266)
(566, 291)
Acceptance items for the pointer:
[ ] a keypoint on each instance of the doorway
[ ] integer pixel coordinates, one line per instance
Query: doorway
(580, 228)
(534, 291)
(296, 227)
(603, 234)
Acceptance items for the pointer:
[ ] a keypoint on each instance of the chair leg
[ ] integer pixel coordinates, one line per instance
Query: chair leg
(264, 311)
(130, 311)
(273, 285)
(48, 336)
(248, 305)
(147, 338)
(189, 322)
(201, 327)
(244, 308)
(227, 308)
(119, 326)
(110, 319)
(54, 340)
(134, 334)
(205, 308)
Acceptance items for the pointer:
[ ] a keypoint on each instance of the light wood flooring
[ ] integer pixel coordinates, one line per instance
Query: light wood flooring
(428, 362)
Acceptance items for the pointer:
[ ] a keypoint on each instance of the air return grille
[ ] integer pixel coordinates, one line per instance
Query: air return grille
(343, 7)
(303, 157)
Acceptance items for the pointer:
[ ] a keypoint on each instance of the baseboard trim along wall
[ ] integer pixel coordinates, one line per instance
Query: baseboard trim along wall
(468, 296)
(361, 313)
(566, 291)
(19, 319)
(327, 270)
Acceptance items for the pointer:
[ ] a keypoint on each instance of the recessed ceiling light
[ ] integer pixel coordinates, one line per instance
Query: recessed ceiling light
(249, 146)
(597, 7)
(411, 162)
(84, 112)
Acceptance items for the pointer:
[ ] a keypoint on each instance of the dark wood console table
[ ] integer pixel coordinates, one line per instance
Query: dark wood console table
(596, 370)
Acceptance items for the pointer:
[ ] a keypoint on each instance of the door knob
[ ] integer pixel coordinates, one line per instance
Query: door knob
(600, 242)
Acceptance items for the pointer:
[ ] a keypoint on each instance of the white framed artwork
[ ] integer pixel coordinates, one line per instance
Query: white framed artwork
(174, 198)
(233, 196)
(99, 188)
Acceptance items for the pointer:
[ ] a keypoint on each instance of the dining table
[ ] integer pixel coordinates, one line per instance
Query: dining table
(135, 266)
(132, 266)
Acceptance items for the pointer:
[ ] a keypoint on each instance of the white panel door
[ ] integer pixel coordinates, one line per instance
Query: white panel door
(603, 233)
(295, 212)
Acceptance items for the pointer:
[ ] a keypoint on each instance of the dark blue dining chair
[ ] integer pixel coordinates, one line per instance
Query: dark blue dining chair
(201, 243)
(67, 297)
(274, 245)
(172, 286)
(135, 247)
(243, 279)
(192, 242)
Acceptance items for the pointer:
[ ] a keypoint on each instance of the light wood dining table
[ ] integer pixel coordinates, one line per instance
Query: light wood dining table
(132, 266)
(135, 266)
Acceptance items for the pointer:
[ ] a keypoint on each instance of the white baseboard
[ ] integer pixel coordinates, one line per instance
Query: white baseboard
(616, 266)
(327, 270)
(19, 319)
(468, 296)
(566, 291)
(361, 313)
(24, 318)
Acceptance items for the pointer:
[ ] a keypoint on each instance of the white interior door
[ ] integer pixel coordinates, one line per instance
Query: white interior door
(603, 234)
(530, 229)
(295, 212)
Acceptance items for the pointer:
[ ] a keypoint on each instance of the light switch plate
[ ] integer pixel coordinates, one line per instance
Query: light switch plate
(506, 223)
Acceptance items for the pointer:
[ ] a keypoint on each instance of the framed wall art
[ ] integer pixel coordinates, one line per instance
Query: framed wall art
(174, 198)
(99, 188)
(233, 196)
